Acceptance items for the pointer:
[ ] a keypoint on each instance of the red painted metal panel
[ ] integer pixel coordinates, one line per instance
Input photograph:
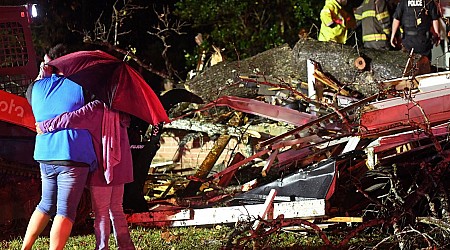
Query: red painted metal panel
(395, 113)
(16, 110)
(226, 178)
(263, 109)
(393, 141)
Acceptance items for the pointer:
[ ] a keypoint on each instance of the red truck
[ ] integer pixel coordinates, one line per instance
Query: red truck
(19, 173)
(18, 68)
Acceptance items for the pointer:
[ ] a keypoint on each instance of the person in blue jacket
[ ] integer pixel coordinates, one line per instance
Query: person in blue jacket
(108, 129)
(65, 157)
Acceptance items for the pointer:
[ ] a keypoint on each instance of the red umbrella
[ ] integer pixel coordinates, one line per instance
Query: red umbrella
(114, 82)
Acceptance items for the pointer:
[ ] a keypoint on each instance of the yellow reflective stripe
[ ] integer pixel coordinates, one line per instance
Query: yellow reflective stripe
(358, 16)
(368, 13)
(387, 31)
(383, 15)
(374, 37)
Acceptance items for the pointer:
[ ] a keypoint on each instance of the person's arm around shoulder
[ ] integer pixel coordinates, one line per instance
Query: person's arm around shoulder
(87, 117)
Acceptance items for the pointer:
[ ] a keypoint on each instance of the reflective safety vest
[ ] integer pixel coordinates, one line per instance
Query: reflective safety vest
(329, 29)
(376, 23)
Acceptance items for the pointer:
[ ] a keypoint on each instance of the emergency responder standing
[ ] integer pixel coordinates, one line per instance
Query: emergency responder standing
(419, 20)
(335, 22)
(375, 21)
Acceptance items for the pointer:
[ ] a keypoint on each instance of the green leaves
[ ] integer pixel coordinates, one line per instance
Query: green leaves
(245, 28)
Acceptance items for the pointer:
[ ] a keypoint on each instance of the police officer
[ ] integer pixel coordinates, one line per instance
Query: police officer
(419, 20)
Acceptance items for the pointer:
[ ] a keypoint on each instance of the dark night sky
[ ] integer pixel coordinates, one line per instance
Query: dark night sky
(55, 16)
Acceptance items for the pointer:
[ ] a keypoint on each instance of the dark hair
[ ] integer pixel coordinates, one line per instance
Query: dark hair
(57, 51)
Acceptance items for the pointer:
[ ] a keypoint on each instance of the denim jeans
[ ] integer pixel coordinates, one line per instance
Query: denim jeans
(107, 205)
(62, 188)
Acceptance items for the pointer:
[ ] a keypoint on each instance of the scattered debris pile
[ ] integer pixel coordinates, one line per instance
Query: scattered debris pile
(340, 153)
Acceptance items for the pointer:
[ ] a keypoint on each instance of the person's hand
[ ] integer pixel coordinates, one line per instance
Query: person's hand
(396, 42)
(45, 70)
(436, 39)
(393, 42)
(38, 129)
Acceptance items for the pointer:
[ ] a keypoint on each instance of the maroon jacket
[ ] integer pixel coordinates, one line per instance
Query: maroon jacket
(90, 117)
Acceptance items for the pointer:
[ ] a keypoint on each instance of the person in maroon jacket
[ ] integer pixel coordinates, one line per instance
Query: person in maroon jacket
(109, 134)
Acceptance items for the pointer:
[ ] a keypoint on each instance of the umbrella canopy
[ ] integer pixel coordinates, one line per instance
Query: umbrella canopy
(113, 82)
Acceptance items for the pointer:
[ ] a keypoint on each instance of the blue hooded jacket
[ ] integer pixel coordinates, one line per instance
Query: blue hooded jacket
(50, 97)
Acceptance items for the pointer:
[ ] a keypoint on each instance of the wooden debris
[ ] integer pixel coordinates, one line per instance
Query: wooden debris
(269, 163)
(226, 178)
(330, 83)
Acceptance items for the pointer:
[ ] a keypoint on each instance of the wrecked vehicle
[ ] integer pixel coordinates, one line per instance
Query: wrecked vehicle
(301, 151)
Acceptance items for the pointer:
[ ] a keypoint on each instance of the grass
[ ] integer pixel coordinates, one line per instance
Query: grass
(177, 238)
(144, 238)
(195, 238)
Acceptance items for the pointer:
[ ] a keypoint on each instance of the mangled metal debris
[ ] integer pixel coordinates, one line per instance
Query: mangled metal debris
(314, 182)
(175, 217)
(308, 169)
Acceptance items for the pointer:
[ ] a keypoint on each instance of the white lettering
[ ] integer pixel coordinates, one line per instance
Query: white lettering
(3, 103)
(10, 107)
(414, 3)
(19, 110)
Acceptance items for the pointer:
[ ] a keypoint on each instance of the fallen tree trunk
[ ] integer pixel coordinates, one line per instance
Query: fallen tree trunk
(289, 66)
(338, 61)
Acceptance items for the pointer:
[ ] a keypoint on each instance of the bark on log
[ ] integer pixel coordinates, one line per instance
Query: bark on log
(338, 61)
(218, 80)
(289, 65)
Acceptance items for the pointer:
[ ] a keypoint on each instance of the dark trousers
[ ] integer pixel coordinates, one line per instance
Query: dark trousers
(421, 43)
